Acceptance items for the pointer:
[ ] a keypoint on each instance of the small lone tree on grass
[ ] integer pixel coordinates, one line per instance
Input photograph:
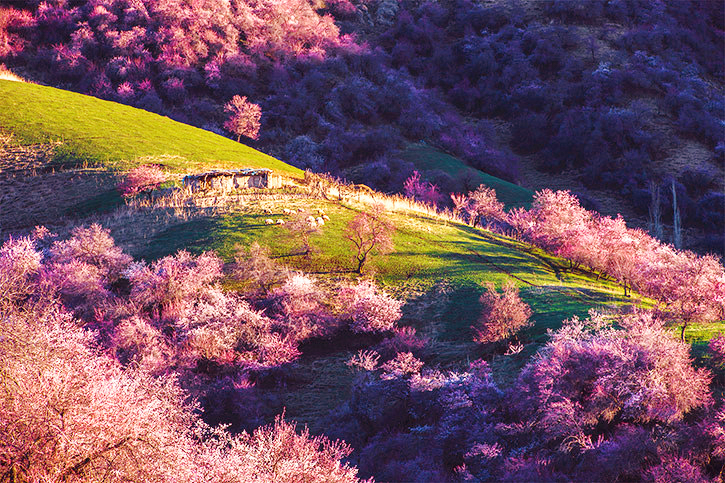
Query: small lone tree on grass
(243, 118)
(301, 227)
(370, 232)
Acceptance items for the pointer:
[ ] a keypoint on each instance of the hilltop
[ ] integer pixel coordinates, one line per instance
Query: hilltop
(63, 152)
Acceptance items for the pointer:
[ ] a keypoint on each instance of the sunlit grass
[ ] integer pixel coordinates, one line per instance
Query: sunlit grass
(98, 132)
(437, 264)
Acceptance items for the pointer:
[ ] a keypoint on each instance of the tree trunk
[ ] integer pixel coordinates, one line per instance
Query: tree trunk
(360, 263)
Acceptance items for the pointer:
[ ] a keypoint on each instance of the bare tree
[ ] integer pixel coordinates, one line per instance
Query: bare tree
(370, 232)
(655, 212)
(676, 222)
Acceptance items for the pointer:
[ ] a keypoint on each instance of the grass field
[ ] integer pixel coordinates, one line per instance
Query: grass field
(438, 267)
(98, 132)
(427, 158)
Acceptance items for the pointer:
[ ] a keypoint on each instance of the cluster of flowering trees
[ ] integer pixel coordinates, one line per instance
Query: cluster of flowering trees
(593, 112)
(605, 398)
(84, 405)
(687, 287)
(99, 352)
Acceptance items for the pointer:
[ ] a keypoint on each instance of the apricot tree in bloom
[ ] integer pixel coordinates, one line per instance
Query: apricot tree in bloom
(555, 216)
(592, 376)
(243, 118)
(370, 232)
(421, 190)
(484, 206)
(19, 266)
(172, 280)
(403, 364)
(369, 309)
(93, 246)
(300, 305)
(142, 178)
(504, 314)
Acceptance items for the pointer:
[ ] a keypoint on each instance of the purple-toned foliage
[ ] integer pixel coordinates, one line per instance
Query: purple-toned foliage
(483, 208)
(20, 263)
(591, 376)
(403, 339)
(716, 347)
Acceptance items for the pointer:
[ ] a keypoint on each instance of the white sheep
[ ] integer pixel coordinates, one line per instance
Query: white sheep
(280, 221)
(286, 211)
(268, 222)
(320, 221)
(310, 219)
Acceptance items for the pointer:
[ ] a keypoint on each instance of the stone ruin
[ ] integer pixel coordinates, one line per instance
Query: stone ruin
(233, 179)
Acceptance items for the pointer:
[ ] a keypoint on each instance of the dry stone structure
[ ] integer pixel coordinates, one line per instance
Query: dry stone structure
(233, 179)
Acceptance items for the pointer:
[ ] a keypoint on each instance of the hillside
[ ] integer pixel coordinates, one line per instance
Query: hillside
(99, 133)
(63, 152)
(615, 102)
(331, 329)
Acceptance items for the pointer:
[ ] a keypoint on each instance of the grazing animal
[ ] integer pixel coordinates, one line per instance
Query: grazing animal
(280, 221)
(286, 211)
(268, 222)
(320, 221)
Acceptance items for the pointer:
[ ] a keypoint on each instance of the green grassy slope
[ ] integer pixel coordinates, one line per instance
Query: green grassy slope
(427, 158)
(114, 135)
(437, 266)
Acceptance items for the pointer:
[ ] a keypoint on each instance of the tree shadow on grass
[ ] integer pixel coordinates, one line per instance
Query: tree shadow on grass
(195, 236)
